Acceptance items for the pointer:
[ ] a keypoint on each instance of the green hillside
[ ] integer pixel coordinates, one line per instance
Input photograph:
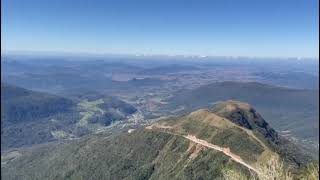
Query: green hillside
(20, 105)
(199, 145)
(30, 117)
(291, 110)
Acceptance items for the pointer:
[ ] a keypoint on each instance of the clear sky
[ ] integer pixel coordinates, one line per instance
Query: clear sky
(275, 28)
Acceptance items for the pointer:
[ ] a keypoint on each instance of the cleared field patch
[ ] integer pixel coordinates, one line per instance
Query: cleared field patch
(61, 135)
(88, 110)
(92, 105)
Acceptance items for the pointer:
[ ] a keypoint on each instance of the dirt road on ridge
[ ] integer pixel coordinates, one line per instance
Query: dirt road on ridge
(226, 151)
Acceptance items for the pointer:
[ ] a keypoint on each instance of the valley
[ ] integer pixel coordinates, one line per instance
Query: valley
(192, 113)
(159, 90)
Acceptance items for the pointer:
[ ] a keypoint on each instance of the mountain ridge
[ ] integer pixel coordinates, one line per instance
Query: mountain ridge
(200, 144)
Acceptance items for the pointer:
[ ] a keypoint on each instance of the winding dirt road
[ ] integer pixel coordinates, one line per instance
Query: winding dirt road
(194, 139)
(226, 151)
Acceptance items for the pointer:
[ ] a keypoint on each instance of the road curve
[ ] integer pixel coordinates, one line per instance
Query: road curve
(226, 151)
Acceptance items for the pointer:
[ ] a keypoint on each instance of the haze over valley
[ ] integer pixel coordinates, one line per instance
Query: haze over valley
(163, 88)
(159, 90)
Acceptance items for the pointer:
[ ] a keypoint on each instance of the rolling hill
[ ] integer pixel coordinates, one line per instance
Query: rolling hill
(30, 117)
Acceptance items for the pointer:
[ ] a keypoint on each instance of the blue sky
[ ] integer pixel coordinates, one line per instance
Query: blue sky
(272, 28)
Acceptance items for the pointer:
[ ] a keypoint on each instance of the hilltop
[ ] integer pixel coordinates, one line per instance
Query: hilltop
(292, 112)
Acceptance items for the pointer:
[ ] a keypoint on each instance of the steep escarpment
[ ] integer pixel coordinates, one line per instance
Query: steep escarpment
(246, 116)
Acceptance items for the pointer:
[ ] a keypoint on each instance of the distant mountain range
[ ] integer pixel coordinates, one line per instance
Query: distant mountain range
(171, 68)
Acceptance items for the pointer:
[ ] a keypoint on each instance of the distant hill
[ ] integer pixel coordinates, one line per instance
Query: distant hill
(171, 68)
(30, 117)
(20, 105)
(199, 145)
(300, 80)
(286, 109)
(62, 76)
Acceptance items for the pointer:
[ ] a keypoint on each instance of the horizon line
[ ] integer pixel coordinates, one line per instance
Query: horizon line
(102, 54)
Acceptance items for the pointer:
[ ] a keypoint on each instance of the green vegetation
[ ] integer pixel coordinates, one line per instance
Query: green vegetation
(234, 138)
(246, 116)
(30, 117)
(25, 116)
(296, 110)
(92, 105)
(310, 171)
(90, 109)
(139, 155)
(219, 131)
(21, 105)
(273, 169)
(159, 151)
(61, 135)
(240, 142)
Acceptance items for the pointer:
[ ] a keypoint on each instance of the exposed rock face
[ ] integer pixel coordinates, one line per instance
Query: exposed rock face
(246, 116)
